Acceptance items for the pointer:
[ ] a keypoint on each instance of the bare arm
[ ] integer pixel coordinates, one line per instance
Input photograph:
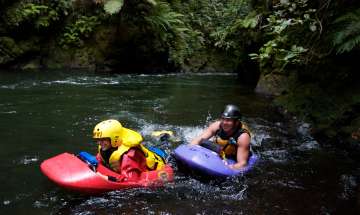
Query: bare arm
(243, 151)
(207, 134)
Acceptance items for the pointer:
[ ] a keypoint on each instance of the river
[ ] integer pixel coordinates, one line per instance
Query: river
(43, 114)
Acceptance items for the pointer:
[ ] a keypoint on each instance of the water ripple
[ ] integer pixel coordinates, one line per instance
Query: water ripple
(349, 185)
(9, 112)
(26, 160)
(277, 155)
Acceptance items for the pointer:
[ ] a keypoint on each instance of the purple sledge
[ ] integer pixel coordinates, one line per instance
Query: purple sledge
(209, 162)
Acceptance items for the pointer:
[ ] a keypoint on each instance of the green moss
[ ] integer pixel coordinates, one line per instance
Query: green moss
(10, 50)
(32, 65)
(209, 61)
(32, 44)
(331, 112)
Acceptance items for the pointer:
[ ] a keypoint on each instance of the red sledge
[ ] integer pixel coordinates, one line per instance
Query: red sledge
(71, 172)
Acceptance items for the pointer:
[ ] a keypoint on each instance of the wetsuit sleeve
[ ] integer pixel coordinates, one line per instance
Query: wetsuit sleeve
(132, 164)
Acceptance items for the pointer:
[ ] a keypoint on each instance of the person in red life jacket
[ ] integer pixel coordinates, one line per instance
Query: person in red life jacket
(120, 150)
(230, 135)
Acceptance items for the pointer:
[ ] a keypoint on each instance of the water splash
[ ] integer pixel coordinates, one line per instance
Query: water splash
(9, 112)
(27, 159)
(276, 155)
(349, 185)
(308, 145)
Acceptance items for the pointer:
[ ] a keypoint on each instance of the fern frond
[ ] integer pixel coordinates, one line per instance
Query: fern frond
(164, 18)
(348, 45)
(153, 2)
(348, 31)
(350, 16)
(113, 6)
(347, 35)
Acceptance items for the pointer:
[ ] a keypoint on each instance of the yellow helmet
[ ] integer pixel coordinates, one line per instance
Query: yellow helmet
(109, 129)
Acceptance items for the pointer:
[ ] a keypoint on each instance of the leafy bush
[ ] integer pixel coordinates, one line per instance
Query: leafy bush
(113, 6)
(38, 14)
(347, 34)
(76, 32)
(171, 31)
(287, 30)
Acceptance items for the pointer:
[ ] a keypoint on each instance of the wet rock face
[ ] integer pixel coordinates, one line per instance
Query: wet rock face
(272, 84)
(208, 61)
(303, 129)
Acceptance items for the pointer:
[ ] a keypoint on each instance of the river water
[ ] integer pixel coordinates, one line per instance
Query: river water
(43, 114)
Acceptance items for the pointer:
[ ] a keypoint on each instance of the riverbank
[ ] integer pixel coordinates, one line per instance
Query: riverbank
(331, 115)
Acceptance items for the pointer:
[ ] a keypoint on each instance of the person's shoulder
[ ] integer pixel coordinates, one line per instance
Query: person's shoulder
(245, 134)
(245, 130)
(244, 137)
(215, 125)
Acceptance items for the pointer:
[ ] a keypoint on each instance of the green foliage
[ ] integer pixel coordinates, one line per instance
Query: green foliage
(214, 15)
(171, 31)
(221, 25)
(227, 35)
(113, 6)
(25, 24)
(76, 32)
(183, 28)
(347, 36)
(40, 15)
(165, 20)
(250, 21)
(270, 52)
(313, 104)
(64, 7)
(153, 2)
(286, 35)
(9, 50)
(327, 109)
(163, 28)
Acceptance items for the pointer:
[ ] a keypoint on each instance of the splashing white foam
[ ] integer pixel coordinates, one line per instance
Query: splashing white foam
(28, 160)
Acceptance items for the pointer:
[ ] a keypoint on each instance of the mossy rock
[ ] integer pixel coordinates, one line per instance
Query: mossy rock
(9, 49)
(104, 37)
(77, 58)
(272, 84)
(209, 62)
(32, 65)
(335, 117)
